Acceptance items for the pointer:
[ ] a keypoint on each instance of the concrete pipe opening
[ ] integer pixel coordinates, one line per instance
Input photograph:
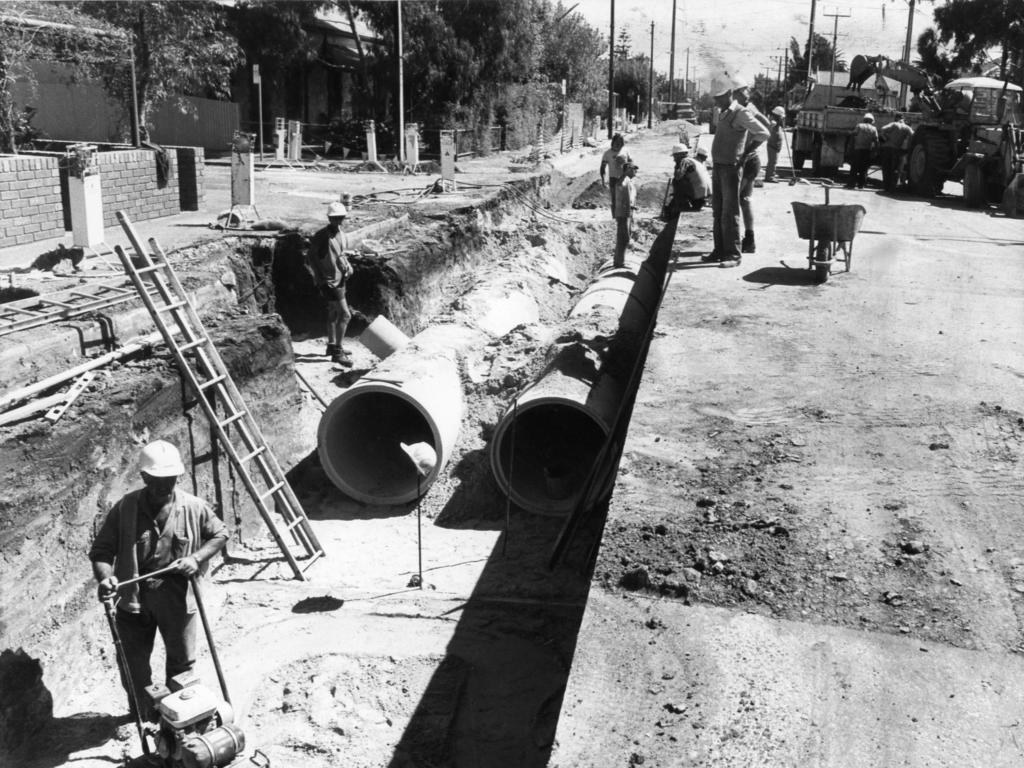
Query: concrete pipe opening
(414, 396)
(544, 448)
(360, 444)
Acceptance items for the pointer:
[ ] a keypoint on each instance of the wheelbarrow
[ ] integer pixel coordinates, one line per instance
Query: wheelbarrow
(829, 230)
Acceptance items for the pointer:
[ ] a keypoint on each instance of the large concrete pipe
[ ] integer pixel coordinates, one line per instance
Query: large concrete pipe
(545, 445)
(413, 396)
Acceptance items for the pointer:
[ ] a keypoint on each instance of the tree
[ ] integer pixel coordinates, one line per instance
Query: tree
(623, 45)
(180, 48)
(469, 63)
(38, 31)
(976, 28)
(822, 60)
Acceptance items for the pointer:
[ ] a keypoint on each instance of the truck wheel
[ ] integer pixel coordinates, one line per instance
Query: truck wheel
(799, 158)
(929, 159)
(974, 186)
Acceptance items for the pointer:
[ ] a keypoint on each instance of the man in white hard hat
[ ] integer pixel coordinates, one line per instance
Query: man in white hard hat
(737, 134)
(154, 528)
(328, 264)
(862, 145)
(777, 119)
(691, 183)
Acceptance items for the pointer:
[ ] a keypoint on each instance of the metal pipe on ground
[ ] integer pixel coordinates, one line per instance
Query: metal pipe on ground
(557, 427)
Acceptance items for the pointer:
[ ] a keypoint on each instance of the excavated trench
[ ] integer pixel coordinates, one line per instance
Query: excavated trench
(452, 272)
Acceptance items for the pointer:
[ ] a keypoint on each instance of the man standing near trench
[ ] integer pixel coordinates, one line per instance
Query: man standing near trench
(154, 528)
(727, 148)
(328, 264)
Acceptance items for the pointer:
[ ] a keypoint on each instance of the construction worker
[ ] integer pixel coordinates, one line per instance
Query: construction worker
(625, 204)
(154, 528)
(328, 264)
(750, 166)
(691, 184)
(737, 134)
(613, 161)
(863, 143)
(895, 140)
(775, 135)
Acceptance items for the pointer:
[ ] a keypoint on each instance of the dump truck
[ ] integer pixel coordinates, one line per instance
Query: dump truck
(971, 130)
(827, 116)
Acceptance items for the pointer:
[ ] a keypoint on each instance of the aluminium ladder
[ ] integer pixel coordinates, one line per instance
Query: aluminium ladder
(210, 379)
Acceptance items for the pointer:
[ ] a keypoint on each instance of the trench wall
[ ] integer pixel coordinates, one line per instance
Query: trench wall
(34, 190)
(57, 481)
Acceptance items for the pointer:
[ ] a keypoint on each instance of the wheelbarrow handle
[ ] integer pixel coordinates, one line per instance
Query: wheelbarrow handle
(144, 577)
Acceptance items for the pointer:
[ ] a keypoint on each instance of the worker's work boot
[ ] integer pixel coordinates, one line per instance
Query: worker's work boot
(331, 350)
(341, 357)
(747, 246)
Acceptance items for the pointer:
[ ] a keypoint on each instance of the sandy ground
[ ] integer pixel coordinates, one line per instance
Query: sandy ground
(809, 556)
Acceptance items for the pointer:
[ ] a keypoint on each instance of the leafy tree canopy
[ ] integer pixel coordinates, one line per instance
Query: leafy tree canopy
(180, 48)
(822, 61)
(968, 32)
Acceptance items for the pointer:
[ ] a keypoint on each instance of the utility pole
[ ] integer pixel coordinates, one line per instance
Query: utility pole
(672, 58)
(835, 33)
(810, 43)
(611, 76)
(686, 80)
(906, 53)
(401, 90)
(650, 83)
(778, 77)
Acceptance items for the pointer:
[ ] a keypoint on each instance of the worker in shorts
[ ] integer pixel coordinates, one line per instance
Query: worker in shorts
(625, 203)
(328, 264)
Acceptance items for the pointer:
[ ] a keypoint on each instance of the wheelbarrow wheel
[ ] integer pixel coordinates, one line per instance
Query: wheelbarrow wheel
(821, 272)
(822, 263)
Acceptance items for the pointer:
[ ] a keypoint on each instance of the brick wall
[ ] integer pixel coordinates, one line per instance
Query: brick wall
(128, 178)
(30, 200)
(34, 196)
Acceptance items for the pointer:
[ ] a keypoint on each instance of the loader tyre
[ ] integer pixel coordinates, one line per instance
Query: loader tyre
(799, 158)
(929, 159)
(975, 194)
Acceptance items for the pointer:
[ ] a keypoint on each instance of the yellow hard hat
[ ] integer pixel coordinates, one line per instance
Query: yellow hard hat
(161, 459)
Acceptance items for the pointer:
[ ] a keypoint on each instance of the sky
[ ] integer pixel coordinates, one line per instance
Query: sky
(742, 36)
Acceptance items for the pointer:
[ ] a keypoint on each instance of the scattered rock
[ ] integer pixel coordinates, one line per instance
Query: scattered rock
(636, 578)
(718, 557)
(913, 547)
(636, 759)
(654, 623)
(661, 529)
(704, 501)
(675, 709)
(956, 582)
(838, 576)
(786, 486)
(938, 446)
(692, 576)
(750, 588)
(894, 599)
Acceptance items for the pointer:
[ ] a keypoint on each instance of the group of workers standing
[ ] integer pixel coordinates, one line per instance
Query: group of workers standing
(892, 142)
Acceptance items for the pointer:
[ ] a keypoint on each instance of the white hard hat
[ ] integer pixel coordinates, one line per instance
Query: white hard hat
(779, 111)
(336, 209)
(161, 459)
(680, 149)
(868, 117)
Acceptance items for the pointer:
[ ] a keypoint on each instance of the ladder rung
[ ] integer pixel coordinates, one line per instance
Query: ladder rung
(313, 557)
(273, 489)
(212, 382)
(253, 455)
(192, 344)
(172, 306)
(295, 524)
(153, 268)
(232, 419)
